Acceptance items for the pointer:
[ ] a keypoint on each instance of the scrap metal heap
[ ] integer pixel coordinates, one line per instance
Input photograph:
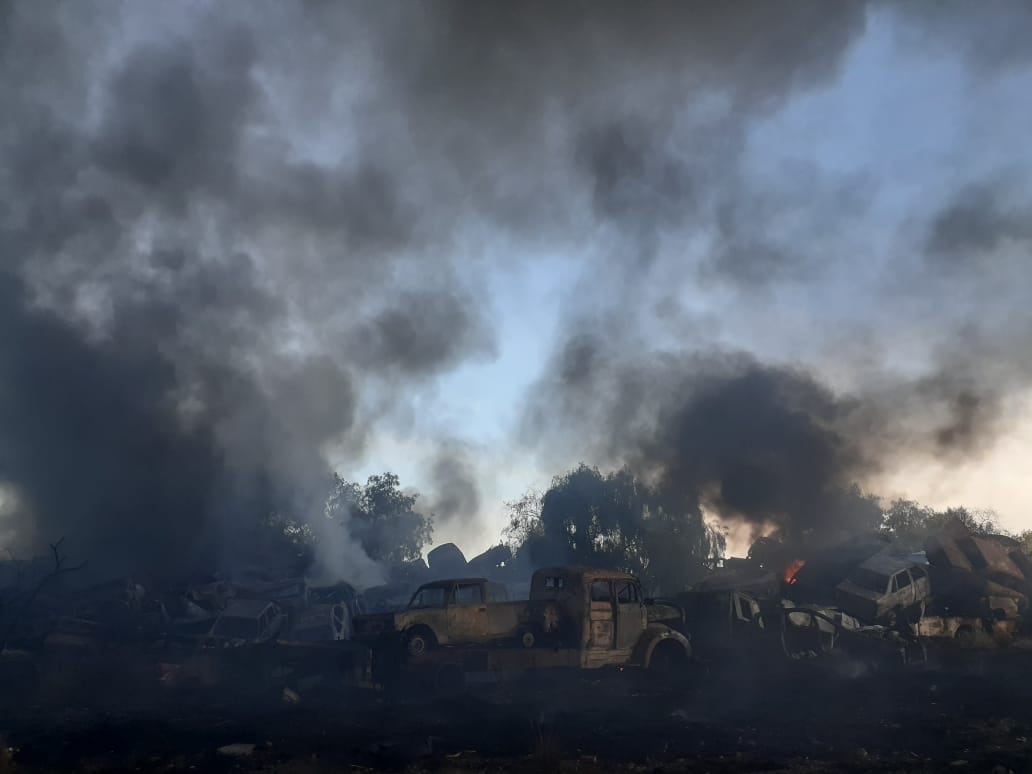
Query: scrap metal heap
(868, 596)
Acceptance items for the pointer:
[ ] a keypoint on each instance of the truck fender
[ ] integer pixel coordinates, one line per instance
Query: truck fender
(653, 635)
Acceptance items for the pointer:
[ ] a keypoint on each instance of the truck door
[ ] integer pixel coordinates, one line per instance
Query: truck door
(601, 616)
(467, 614)
(901, 591)
(630, 613)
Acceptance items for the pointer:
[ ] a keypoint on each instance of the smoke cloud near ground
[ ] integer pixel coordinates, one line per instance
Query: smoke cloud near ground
(233, 240)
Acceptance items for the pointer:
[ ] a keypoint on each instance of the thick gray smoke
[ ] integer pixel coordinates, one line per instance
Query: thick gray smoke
(191, 309)
(233, 239)
(454, 480)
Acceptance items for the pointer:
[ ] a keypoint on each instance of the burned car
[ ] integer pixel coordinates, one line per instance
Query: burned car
(885, 589)
(246, 622)
(321, 623)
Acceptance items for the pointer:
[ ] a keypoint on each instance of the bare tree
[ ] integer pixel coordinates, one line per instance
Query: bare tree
(18, 601)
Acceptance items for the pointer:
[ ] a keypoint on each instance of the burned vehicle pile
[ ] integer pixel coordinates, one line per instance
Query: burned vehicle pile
(864, 604)
(328, 668)
(866, 600)
(140, 636)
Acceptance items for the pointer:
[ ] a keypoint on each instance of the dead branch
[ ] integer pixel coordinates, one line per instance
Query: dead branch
(60, 568)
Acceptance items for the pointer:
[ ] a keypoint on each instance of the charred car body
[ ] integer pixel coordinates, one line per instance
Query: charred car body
(247, 622)
(884, 589)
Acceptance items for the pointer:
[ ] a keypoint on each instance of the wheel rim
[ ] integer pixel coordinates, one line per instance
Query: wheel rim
(416, 645)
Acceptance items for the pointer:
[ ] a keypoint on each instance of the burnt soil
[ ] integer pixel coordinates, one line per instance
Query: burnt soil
(974, 714)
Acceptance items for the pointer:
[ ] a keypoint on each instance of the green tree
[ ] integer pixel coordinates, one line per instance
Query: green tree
(979, 521)
(1025, 538)
(524, 522)
(910, 522)
(381, 517)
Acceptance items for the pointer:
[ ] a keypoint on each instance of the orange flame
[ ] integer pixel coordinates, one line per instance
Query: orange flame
(791, 569)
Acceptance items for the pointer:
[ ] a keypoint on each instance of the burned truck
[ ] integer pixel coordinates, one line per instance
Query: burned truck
(446, 612)
(602, 614)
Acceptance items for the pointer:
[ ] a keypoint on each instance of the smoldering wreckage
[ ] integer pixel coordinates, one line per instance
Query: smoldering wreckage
(861, 604)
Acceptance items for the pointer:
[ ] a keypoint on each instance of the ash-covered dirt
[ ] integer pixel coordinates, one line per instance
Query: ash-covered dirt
(975, 715)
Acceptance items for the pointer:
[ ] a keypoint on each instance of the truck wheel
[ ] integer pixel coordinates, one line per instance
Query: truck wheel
(419, 642)
(527, 639)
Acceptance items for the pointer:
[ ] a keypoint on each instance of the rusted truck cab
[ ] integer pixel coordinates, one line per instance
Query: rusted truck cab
(600, 614)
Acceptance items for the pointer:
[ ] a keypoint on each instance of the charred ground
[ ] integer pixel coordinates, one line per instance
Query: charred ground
(971, 714)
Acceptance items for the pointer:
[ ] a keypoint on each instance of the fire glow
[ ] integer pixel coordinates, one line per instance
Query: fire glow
(792, 569)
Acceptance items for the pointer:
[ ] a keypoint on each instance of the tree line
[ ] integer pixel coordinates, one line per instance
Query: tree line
(611, 519)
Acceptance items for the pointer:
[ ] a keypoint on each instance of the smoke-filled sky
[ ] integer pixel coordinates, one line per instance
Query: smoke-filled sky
(756, 251)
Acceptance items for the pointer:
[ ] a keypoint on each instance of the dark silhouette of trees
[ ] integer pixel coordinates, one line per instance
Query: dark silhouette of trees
(613, 520)
(910, 523)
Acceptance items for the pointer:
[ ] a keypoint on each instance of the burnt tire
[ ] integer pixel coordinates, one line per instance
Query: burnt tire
(419, 641)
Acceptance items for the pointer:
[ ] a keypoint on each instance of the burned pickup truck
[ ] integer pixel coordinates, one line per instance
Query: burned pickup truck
(447, 612)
